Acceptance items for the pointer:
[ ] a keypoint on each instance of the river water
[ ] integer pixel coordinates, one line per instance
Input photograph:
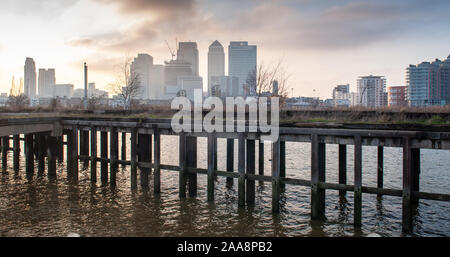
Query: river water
(40, 207)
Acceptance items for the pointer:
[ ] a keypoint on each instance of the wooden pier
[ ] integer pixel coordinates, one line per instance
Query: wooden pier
(43, 142)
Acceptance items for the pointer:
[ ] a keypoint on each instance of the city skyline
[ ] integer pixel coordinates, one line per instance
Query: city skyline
(322, 44)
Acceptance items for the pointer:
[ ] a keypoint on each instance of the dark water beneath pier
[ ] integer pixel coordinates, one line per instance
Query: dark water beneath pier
(40, 207)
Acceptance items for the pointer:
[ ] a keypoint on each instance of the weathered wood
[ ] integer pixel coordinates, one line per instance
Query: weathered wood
(41, 152)
(104, 154)
(317, 176)
(144, 155)
(124, 146)
(415, 154)
(60, 148)
(52, 155)
(191, 162)
(134, 156)
(261, 157)
(276, 176)
(358, 181)
(212, 151)
(69, 154)
(241, 170)
(342, 166)
(157, 164)
(29, 155)
(230, 160)
(84, 145)
(282, 163)
(114, 155)
(5, 148)
(16, 152)
(407, 185)
(182, 163)
(93, 155)
(75, 154)
(250, 170)
(380, 165)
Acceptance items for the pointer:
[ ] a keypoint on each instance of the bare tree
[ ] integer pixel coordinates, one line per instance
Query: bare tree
(94, 101)
(127, 84)
(18, 101)
(261, 80)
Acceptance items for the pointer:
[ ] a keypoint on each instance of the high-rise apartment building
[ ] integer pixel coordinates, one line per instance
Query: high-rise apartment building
(397, 96)
(429, 83)
(216, 62)
(140, 67)
(242, 59)
(46, 82)
(371, 91)
(29, 71)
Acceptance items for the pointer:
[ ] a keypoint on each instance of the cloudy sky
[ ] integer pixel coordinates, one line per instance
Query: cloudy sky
(321, 43)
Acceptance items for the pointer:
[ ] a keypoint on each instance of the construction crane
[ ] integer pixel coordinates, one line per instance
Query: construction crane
(170, 49)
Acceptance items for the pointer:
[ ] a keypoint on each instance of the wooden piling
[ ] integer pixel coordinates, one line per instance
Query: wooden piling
(114, 155)
(41, 149)
(60, 148)
(5, 148)
(282, 163)
(84, 145)
(144, 155)
(230, 160)
(191, 162)
(276, 190)
(157, 162)
(75, 154)
(342, 167)
(124, 146)
(241, 170)
(261, 157)
(69, 154)
(104, 155)
(357, 181)
(134, 156)
(250, 169)
(380, 167)
(29, 155)
(52, 155)
(408, 163)
(212, 155)
(182, 163)
(317, 176)
(16, 152)
(415, 154)
(93, 155)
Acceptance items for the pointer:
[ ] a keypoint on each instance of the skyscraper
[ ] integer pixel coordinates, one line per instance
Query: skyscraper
(141, 66)
(187, 51)
(371, 91)
(46, 81)
(241, 62)
(29, 71)
(429, 83)
(216, 62)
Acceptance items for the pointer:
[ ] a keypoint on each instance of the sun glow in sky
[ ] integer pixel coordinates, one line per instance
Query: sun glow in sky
(322, 43)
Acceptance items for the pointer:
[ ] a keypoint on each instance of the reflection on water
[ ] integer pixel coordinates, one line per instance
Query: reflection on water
(43, 207)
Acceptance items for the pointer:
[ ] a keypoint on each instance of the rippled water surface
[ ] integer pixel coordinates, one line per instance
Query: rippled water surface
(40, 207)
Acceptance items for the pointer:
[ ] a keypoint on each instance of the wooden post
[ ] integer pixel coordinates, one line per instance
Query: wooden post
(29, 155)
(261, 158)
(114, 155)
(5, 148)
(342, 167)
(276, 190)
(124, 146)
(41, 148)
(230, 160)
(75, 154)
(407, 185)
(16, 152)
(84, 145)
(51, 159)
(157, 168)
(317, 176)
(104, 155)
(69, 154)
(212, 148)
(134, 156)
(282, 163)
(144, 155)
(380, 167)
(191, 162)
(182, 161)
(250, 184)
(241, 169)
(415, 153)
(358, 182)
(93, 155)
(60, 148)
